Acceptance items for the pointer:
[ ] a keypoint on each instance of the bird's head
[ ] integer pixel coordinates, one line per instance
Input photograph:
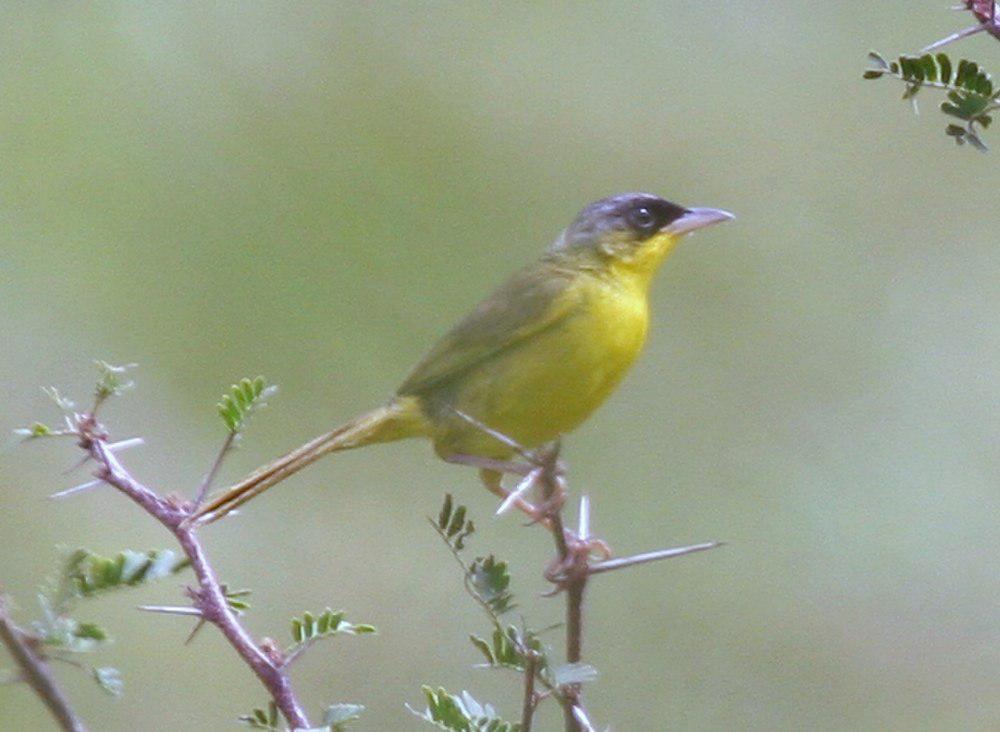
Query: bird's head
(632, 231)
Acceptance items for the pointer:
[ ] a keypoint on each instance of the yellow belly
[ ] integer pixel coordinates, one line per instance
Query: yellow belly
(547, 385)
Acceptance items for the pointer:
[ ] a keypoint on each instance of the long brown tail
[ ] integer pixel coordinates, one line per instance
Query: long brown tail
(395, 421)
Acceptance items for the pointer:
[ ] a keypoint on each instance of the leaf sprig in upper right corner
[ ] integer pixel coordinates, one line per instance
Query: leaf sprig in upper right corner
(971, 97)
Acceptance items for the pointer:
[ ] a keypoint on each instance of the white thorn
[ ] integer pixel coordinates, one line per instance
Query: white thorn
(971, 30)
(581, 717)
(125, 444)
(170, 610)
(75, 489)
(526, 483)
(584, 532)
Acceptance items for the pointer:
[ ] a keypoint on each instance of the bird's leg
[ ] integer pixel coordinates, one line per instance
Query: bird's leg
(492, 480)
(484, 463)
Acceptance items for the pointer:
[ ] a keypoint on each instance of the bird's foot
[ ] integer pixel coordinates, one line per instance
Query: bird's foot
(577, 560)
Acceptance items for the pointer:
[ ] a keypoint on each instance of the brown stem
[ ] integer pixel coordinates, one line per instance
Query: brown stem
(206, 483)
(574, 563)
(37, 673)
(528, 710)
(210, 598)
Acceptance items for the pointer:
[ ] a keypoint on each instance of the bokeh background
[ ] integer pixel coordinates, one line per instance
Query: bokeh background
(315, 192)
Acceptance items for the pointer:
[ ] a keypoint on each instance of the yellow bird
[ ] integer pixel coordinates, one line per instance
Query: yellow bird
(533, 360)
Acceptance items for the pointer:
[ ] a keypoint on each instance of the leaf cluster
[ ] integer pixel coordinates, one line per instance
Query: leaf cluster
(242, 400)
(86, 574)
(335, 718)
(487, 581)
(113, 381)
(461, 713)
(311, 628)
(971, 97)
(507, 647)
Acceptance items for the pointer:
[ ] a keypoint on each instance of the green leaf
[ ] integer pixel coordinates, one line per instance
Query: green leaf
(35, 430)
(873, 74)
(310, 628)
(444, 517)
(489, 580)
(928, 67)
(452, 524)
(944, 67)
(337, 716)
(507, 648)
(572, 673)
(242, 400)
(66, 633)
(90, 631)
(262, 718)
(879, 62)
(461, 713)
(86, 574)
(112, 380)
(109, 679)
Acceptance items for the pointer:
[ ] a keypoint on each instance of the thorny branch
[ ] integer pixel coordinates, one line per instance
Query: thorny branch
(209, 596)
(571, 570)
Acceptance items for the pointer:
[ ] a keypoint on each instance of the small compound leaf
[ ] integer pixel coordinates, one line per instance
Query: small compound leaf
(113, 380)
(242, 400)
(109, 679)
(572, 673)
(86, 574)
(337, 716)
(461, 713)
(490, 581)
(266, 719)
(311, 628)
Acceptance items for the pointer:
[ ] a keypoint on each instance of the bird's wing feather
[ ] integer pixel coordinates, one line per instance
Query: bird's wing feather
(531, 301)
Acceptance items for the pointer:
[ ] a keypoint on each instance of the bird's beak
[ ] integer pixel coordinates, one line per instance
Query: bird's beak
(694, 219)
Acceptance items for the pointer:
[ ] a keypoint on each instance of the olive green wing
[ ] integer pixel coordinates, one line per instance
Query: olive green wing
(531, 301)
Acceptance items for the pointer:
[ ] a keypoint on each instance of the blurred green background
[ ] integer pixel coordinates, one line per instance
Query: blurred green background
(316, 191)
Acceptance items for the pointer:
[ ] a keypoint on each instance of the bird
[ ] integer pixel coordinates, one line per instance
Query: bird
(529, 363)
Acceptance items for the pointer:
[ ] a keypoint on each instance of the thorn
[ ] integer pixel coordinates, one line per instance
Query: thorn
(77, 465)
(584, 530)
(515, 495)
(194, 631)
(170, 610)
(581, 717)
(75, 489)
(965, 33)
(125, 444)
(611, 564)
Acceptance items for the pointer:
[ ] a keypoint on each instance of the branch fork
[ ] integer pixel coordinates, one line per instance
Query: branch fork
(209, 596)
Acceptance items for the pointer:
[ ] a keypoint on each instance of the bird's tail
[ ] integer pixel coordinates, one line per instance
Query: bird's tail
(395, 421)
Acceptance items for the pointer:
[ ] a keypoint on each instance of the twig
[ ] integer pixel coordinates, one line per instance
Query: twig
(214, 470)
(528, 710)
(209, 596)
(573, 565)
(35, 671)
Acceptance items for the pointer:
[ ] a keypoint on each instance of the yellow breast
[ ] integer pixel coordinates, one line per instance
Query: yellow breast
(553, 381)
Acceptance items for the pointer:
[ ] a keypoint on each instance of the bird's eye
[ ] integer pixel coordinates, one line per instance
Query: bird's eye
(642, 219)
